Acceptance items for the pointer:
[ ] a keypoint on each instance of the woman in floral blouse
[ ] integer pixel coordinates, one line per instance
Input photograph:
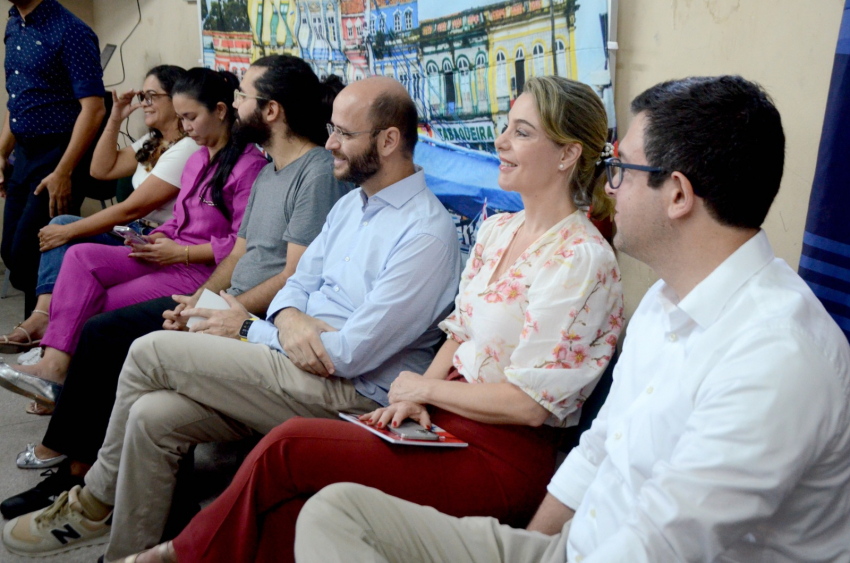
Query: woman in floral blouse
(536, 321)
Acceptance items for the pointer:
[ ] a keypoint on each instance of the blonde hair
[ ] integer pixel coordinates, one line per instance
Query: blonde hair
(571, 112)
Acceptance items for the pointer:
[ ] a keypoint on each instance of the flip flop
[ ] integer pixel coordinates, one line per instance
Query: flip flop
(9, 347)
(39, 410)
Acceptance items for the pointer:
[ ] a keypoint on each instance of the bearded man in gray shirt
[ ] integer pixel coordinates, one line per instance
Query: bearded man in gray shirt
(284, 108)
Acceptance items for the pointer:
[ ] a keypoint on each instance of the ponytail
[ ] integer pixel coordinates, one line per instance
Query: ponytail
(210, 88)
(307, 103)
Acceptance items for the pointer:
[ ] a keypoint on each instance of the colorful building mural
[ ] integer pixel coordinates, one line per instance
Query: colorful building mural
(464, 62)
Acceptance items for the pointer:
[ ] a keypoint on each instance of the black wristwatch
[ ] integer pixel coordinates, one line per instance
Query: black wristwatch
(246, 326)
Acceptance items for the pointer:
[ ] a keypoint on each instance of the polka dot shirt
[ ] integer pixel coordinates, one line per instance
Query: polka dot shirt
(52, 60)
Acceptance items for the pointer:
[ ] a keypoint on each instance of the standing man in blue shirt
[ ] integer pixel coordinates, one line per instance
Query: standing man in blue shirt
(55, 86)
(362, 306)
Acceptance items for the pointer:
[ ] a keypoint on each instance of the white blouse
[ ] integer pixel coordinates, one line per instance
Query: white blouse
(168, 168)
(550, 323)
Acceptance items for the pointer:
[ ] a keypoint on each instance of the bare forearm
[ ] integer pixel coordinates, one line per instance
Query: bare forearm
(200, 254)
(85, 129)
(551, 516)
(443, 361)
(258, 298)
(104, 220)
(219, 280)
(106, 154)
(491, 403)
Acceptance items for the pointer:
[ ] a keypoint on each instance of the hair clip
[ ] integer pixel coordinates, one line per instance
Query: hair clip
(607, 152)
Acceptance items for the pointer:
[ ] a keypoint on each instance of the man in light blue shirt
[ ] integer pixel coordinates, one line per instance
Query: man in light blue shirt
(369, 290)
(362, 306)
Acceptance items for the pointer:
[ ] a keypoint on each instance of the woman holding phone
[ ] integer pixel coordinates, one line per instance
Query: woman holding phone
(179, 255)
(156, 164)
(536, 321)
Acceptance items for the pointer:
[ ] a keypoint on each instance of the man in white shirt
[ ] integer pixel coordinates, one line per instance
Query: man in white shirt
(725, 436)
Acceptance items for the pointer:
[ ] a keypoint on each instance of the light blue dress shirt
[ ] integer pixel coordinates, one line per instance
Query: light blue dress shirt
(384, 272)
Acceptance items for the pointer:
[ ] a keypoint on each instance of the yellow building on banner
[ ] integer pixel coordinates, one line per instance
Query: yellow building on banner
(272, 23)
(464, 62)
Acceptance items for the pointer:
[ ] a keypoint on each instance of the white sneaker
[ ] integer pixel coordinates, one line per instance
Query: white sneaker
(59, 527)
(30, 358)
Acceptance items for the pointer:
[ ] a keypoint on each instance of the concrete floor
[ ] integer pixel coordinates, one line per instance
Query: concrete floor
(214, 464)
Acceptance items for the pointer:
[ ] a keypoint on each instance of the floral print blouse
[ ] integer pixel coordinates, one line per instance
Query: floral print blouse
(550, 323)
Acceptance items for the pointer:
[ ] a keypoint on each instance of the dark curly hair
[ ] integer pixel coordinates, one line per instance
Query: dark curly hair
(152, 149)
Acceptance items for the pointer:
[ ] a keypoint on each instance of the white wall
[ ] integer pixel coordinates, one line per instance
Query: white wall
(786, 45)
(168, 34)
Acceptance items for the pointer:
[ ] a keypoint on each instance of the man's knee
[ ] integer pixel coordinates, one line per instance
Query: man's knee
(151, 417)
(339, 499)
(150, 349)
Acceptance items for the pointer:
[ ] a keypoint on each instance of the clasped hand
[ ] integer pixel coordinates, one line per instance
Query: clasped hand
(162, 251)
(396, 413)
(225, 322)
(407, 400)
(52, 236)
(300, 338)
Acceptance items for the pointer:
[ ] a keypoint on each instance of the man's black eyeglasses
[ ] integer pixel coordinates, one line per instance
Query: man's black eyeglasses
(614, 169)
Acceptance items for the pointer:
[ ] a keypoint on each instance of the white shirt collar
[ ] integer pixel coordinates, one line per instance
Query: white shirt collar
(705, 302)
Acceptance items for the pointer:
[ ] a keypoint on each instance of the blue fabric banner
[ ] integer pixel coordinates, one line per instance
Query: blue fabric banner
(825, 260)
(465, 181)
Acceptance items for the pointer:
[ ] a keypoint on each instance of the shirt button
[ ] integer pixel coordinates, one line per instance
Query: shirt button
(347, 259)
(364, 222)
(592, 513)
(336, 288)
(649, 390)
(579, 558)
(14, 120)
(19, 47)
(17, 72)
(618, 435)
(673, 337)
(13, 95)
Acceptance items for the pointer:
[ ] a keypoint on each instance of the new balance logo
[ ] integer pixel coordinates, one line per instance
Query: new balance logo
(65, 534)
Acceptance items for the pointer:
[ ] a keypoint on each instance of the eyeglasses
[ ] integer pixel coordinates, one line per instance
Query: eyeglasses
(146, 98)
(239, 95)
(343, 136)
(614, 169)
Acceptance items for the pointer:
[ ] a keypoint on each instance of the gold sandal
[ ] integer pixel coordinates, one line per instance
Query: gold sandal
(10, 347)
(39, 410)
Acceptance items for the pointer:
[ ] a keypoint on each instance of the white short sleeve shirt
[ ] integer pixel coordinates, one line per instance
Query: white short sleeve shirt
(169, 168)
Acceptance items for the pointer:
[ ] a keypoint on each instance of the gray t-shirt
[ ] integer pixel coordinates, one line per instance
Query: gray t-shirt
(288, 205)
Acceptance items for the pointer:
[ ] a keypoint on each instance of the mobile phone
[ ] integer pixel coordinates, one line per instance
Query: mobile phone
(129, 234)
(410, 430)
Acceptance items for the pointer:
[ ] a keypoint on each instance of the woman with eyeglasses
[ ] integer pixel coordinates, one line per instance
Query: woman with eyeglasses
(536, 320)
(176, 258)
(155, 162)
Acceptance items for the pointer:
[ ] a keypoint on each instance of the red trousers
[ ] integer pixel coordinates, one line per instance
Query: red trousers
(503, 473)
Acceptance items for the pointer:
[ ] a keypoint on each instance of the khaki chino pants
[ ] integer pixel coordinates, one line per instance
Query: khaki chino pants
(346, 522)
(178, 389)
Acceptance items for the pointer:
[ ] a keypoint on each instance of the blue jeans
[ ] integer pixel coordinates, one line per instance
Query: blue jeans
(51, 261)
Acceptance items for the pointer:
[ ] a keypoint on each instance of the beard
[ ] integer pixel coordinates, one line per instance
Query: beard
(252, 129)
(361, 167)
